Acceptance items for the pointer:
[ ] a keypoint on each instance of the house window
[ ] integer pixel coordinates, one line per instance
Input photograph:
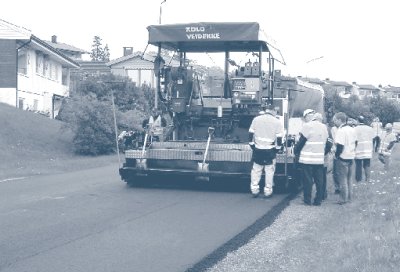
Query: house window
(65, 76)
(39, 63)
(56, 72)
(22, 63)
(46, 64)
(362, 92)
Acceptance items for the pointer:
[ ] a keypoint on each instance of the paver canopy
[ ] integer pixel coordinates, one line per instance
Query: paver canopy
(209, 37)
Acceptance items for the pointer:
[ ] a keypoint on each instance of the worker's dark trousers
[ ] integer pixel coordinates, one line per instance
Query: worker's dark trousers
(376, 143)
(360, 165)
(313, 173)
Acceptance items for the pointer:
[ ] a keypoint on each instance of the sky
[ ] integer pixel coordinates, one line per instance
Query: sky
(343, 40)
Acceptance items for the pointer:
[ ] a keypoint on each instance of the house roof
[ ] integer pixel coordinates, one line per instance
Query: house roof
(10, 31)
(130, 56)
(392, 89)
(139, 55)
(25, 38)
(66, 47)
(37, 43)
(338, 83)
(367, 87)
(100, 66)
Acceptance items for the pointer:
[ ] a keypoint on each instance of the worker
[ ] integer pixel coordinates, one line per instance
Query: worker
(364, 149)
(345, 141)
(328, 157)
(377, 127)
(310, 149)
(333, 130)
(265, 135)
(155, 125)
(388, 139)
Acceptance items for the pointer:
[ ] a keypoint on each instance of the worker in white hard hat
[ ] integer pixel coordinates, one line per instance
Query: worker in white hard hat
(310, 149)
(388, 139)
(264, 132)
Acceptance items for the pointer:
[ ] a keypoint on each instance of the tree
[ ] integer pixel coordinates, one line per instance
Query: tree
(98, 52)
(106, 53)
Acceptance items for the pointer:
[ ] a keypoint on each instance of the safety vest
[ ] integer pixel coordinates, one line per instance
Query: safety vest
(386, 139)
(313, 150)
(156, 125)
(265, 128)
(365, 135)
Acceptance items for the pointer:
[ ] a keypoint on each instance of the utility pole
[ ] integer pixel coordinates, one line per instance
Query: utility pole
(159, 18)
(158, 74)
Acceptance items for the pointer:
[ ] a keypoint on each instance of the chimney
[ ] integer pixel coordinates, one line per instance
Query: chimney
(128, 51)
(54, 39)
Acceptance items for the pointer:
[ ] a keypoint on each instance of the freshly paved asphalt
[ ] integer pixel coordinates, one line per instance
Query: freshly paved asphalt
(91, 221)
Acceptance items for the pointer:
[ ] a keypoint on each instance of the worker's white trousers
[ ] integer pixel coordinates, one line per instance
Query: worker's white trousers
(256, 173)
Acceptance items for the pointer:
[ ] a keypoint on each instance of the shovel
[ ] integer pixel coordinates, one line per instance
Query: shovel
(203, 166)
(142, 161)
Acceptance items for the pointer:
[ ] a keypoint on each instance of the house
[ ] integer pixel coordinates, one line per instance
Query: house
(364, 91)
(341, 88)
(68, 50)
(33, 74)
(392, 93)
(138, 67)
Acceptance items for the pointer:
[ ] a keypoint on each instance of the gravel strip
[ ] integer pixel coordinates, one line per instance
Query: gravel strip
(264, 251)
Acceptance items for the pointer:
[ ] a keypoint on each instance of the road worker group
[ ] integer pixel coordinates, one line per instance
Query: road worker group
(349, 142)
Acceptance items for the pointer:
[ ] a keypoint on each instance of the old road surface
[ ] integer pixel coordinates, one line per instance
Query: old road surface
(91, 221)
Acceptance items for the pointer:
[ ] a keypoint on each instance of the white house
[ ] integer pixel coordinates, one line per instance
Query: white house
(33, 75)
(137, 66)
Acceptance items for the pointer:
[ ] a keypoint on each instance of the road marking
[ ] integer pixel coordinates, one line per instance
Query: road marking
(12, 179)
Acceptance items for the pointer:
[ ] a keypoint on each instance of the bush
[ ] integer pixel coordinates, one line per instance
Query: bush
(89, 112)
(94, 128)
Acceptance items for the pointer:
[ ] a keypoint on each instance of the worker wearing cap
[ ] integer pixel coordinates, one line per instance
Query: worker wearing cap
(311, 152)
(345, 141)
(364, 149)
(263, 140)
(388, 139)
(377, 127)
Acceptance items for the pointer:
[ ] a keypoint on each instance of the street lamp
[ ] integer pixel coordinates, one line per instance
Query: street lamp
(159, 18)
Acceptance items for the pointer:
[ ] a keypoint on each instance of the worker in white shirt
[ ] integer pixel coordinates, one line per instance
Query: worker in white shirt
(264, 134)
(388, 139)
(377, 127)
(364, 149)
(345, 141)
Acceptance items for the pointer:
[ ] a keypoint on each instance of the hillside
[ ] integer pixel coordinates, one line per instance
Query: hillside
(32, 144)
